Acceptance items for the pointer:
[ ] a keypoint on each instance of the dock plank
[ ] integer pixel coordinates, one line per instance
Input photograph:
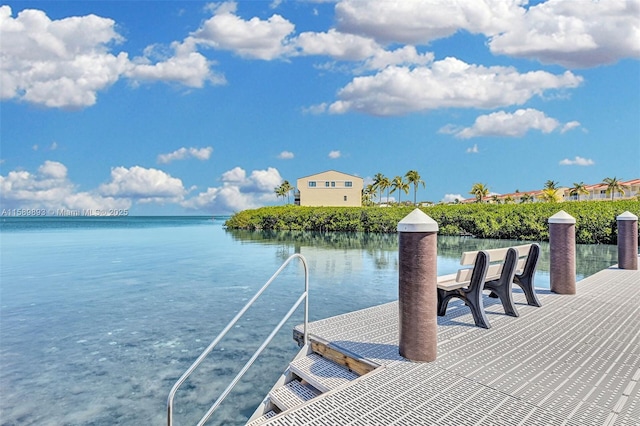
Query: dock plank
(573, 361)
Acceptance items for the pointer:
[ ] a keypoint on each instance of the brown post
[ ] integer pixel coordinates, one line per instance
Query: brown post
(562, 248)
(417, 292)
(627, 241)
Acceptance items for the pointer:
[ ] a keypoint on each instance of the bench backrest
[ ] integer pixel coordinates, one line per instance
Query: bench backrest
(496, 261)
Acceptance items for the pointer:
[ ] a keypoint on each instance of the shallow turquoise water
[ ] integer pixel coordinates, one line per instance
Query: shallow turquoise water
(99, 317)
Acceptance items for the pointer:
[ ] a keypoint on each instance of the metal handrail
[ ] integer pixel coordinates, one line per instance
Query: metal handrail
(304, 297)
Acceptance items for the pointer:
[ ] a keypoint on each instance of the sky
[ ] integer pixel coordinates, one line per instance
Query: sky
(188, 107)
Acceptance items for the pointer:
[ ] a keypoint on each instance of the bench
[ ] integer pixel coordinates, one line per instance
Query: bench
(495, 270)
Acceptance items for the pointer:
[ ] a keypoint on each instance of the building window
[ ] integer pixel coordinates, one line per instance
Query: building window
(326, 184)
(348, 184)
(333, 184)
(312, 184)
(345, 198)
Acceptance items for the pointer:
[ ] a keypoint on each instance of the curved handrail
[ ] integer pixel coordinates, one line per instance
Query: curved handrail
(304, 297)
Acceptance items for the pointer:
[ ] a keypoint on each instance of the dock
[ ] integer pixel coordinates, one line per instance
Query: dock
(573, 361)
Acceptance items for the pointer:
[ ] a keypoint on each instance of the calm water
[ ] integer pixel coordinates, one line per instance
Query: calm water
(99, 317)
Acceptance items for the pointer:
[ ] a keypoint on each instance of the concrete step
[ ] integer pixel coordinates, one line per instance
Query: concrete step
(321, 373)
(292, 394)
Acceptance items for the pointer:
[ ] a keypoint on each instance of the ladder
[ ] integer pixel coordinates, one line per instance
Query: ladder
(304, 297)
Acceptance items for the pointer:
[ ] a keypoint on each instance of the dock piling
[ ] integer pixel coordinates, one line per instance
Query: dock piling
(417, 287)
(627, 241)
(562, 248)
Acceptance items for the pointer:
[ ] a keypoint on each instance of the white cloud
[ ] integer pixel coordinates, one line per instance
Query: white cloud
(185, 153)
(576, 34)
(334, 154)
(238, 192)
(451, 198)
(286, 155)
(570, 126)
(473, 149)
(186, 66)
(341, 46)
(144, 185)
(65, 63)
(60, 63)
(255, 38)
(502, 123)
(449, 83)
(422, 21)
(577, 161)
(570, 33)
(50, 189)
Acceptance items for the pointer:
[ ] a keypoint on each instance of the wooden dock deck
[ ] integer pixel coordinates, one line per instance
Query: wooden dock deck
(573, 361)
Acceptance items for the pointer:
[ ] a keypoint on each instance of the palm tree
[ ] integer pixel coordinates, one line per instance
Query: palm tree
(550, 184)
(578, 189)
(413, 177)
(398, 184)
(550, 195)
(286, 189)
(613, 186)
(381, 182)
(279, 190)
(480, 190)
(367, 195)
(386, 184)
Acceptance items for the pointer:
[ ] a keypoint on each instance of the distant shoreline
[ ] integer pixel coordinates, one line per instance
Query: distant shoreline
(595, 220)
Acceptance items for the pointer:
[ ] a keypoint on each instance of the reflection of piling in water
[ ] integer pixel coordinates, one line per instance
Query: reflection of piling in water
(627, 241)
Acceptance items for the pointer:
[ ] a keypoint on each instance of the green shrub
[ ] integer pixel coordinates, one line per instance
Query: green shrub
(595, 220)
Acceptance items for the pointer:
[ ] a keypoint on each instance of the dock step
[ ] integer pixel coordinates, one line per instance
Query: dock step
(293, 394)
(263, 419)
(321, 373)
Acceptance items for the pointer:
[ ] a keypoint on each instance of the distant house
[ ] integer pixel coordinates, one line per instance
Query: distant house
(597, 191)
(330, 189)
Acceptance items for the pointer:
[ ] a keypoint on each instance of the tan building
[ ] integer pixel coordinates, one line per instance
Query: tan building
(330, 189)
(597, 191)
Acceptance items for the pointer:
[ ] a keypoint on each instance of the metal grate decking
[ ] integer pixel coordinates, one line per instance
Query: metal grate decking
(573, 361)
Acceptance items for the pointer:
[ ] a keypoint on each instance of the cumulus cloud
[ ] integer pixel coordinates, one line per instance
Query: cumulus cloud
(186, 66)
(574, 34)
(422, 21)
(238, 191)
(65, 63)
(449, 83)
(577, 161)
(335, 154)
(502, 123)
(255, 38)
(185, 153)
(473, 150)
(143, 185)
(286, 155)
(60, 63)
(50, 189)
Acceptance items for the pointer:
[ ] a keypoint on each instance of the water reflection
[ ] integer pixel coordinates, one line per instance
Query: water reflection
(382, 249)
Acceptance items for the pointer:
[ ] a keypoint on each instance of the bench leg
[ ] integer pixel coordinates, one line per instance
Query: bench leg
(503, 292)
(477, 310)
(472, 301)
(526, 284)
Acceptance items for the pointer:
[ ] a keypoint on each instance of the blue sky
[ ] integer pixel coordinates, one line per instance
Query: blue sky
(185, 107)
